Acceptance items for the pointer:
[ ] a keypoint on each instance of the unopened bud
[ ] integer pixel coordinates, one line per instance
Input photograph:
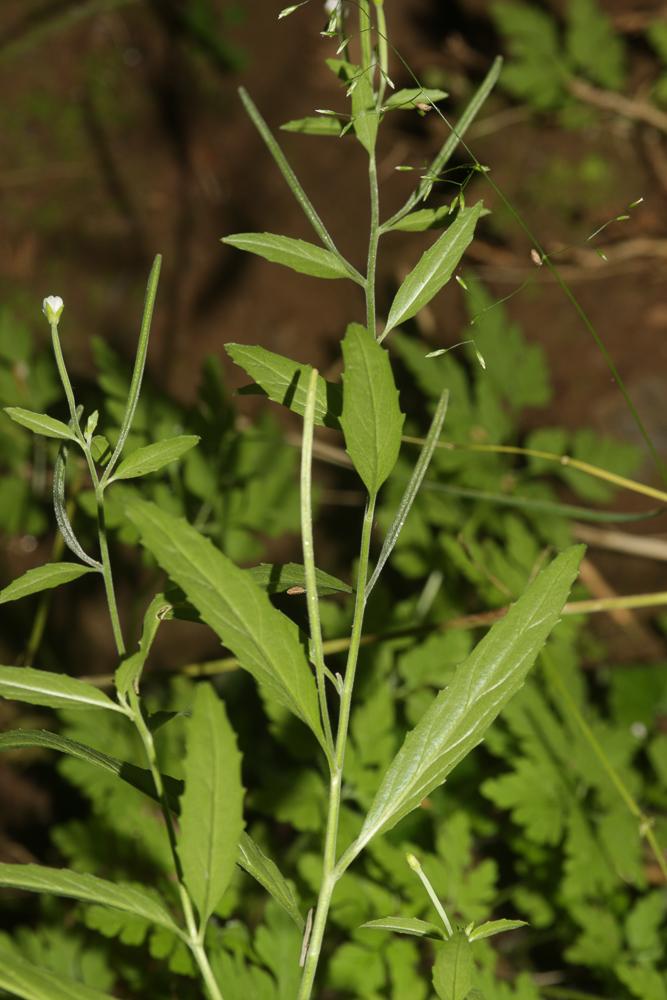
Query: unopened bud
(52, 307)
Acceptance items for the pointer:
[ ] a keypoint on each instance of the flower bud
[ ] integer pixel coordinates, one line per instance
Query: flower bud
(52, 307)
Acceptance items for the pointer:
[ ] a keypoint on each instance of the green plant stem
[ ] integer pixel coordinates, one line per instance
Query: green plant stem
(99, 492)
(194, 937)
(372, 244)
(64, 378)
(365, 34)
(383, 49)
(295, 186)
(644, 821)
(309, 558)
(330, 871)
(453, 139)
(104, 553)
(572, 463)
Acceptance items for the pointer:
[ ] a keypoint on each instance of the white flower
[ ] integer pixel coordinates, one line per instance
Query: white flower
(330, 6)
(52, 307)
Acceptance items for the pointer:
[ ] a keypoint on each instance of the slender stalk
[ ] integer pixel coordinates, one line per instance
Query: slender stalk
(330, 873)
(309, 558)
(295, 186)
(633, 807)
(64, 378)
(365, 35)
(194, 937)
(372, 244)
(104, 553)
(99, 492)
(449, 147)
(572, 463)
(423, 878)
(383, 49)
(139, 365)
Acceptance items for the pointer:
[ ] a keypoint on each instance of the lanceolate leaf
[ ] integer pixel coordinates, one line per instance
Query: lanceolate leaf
(452, 972)
(483, 684)
(314, 125)
(39, 687)
(22, 978)
(425, 218)
(492, 927)
(137, 777)
(306, 258)
(42, 578)
(414, 97)
(406, 925)
(265, 642)
(212, 803)
(253, 860)
(276, 579)
(154, 457)
(40, 423)
(372, 421)
(285, 382)
(250, 857)
(364, 112)
(434, 269)
(87, 888)
(128, 673)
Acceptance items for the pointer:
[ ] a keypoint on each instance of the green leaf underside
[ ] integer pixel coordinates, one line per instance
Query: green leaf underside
(425, 218)
(253, 860)
(137, 777)
(40, 423)
(128, 673)
(250, 857)
(39, 687)
(405, 925)
(265, 642)
(276, 578)
(212, 803)
(459, 715)
(43, 578)
(87, 888)
(434, 269)
(492, 927)
(286, 382)
(23, 979)
(410, 98)
(314, 125)
(372, 421)
(299, 255)
(453, 969)
(154, 457)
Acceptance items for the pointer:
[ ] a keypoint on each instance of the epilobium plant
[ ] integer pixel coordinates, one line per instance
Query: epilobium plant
(203, 813)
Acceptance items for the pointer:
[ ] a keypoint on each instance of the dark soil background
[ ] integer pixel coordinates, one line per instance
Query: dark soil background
(123, 136)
